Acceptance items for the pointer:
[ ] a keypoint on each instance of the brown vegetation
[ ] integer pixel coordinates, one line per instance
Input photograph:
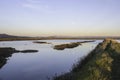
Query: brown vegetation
(6, 52)
(103, 63)
(69, 45)
(41, 42)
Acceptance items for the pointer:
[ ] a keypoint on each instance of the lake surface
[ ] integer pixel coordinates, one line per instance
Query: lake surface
(44, 64)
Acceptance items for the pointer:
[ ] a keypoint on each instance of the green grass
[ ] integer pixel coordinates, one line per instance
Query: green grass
(103, 63)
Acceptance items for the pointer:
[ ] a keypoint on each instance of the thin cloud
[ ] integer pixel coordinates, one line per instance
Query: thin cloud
(37, 5)
(33, 1)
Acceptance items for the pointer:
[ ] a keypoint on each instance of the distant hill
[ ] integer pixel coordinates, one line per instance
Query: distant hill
(11, 36)
(7, 36)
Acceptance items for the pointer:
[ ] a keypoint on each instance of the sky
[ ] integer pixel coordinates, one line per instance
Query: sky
(60, 17)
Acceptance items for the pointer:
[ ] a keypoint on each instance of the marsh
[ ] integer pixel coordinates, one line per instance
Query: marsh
(44, 64)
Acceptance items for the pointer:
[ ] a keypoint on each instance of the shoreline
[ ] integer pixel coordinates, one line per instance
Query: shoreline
(24, 39)
(100, 64)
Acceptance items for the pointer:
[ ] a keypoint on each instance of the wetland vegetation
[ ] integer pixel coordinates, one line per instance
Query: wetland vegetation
(100, 64)
(69, 45)
(6, 52)
(41, 42)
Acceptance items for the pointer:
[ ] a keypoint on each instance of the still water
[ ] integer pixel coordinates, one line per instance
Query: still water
(44, 64)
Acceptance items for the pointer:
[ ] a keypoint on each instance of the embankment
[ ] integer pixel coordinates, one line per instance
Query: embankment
(103, 63)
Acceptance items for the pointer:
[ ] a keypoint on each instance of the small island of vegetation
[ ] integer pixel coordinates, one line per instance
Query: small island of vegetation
(6, 52)
(69, 45)
(63, 46)
(41, 42)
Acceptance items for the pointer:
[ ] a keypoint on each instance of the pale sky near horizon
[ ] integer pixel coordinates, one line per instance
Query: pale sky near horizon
(60, 17)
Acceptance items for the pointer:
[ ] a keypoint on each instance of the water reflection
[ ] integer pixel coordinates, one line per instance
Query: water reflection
(4, 54)
(43, 64)
(2, 61)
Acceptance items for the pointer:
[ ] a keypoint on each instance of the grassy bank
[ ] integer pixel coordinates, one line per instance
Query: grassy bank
(101, 64)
